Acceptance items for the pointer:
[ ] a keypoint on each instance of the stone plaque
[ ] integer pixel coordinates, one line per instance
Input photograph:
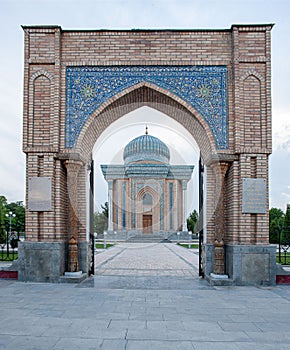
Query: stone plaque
(39, 193)
(254, 196)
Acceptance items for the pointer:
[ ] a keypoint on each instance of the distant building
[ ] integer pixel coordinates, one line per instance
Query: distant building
(147, 194)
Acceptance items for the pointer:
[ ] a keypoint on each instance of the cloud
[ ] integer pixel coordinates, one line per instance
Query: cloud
(127, 14)
(281, 129)
(279, 171)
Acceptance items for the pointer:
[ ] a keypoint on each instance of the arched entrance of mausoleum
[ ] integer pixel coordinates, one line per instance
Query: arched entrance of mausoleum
(149, 95)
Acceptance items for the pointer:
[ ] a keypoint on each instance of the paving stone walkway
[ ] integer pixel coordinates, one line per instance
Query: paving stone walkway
(147, 259)
(122, 310)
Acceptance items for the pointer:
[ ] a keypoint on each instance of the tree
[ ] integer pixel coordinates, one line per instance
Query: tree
(101, 219)
(276, 224)
(286, 227)
(18, 222)
(3, 203)
(105, 210)
(192, 222)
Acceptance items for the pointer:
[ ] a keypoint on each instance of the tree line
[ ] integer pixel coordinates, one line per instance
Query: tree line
(279, 222)
(279, 225)
(17, 211)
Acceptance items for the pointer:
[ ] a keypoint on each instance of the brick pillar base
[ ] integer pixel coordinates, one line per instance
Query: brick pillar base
(219, 258)
(73, 264)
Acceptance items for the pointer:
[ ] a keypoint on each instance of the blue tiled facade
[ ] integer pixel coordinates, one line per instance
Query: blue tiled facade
(203, 87)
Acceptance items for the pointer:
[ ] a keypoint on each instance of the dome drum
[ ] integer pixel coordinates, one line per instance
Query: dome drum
(147, 170)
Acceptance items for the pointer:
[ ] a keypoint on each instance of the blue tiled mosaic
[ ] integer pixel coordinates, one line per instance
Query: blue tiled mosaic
(203, 87)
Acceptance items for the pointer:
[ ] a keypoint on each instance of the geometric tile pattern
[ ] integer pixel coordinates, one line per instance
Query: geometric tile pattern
(203, 87)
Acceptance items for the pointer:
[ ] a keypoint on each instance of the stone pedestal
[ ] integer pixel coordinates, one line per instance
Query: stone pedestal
(41, 261)
(244, 265)
(251, 264)
(46, 262)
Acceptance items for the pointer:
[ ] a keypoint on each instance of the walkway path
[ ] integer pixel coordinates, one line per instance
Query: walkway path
(119, 310)
(147, 259)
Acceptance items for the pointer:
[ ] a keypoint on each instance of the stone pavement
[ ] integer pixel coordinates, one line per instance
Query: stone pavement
(121, 309)
(147, 259)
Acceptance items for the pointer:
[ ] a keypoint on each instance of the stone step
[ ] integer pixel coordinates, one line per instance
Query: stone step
(146, 238)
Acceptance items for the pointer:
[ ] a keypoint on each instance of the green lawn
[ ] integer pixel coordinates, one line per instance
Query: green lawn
(283, 262)
(192, 246)
(11, 257)
(101, 245)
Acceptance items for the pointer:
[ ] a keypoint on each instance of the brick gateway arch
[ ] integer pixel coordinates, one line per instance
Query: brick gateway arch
(216, 83)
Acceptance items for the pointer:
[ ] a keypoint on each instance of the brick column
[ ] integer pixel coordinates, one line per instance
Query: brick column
(219, 254)
(73, 168)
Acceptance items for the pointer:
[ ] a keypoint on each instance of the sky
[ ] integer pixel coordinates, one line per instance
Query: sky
(141, 14)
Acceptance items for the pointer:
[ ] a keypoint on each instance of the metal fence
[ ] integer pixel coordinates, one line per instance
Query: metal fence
(284, 247)
(9, 248)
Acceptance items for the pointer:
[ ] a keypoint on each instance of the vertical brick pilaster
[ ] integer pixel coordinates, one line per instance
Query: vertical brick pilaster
(73, 168)
(220, 170)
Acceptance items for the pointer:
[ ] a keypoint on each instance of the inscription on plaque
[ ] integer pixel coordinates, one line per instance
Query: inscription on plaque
(254, 199)
(39, 193)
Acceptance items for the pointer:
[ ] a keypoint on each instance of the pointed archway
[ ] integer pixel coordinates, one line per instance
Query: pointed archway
(145, 94)
(219, 89)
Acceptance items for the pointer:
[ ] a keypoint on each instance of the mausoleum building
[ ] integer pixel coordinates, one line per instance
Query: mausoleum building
(147, 194)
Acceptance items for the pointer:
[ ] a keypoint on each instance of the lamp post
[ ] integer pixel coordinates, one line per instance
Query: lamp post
(189, 239)
(95, 240)
(10, 215)
(105, 243)
(280, 245)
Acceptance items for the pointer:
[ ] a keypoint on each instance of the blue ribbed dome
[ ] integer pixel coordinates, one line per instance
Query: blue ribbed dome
(146, 148)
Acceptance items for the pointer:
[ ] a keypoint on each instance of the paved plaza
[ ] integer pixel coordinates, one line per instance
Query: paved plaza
(150, 259)
(143, 296)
